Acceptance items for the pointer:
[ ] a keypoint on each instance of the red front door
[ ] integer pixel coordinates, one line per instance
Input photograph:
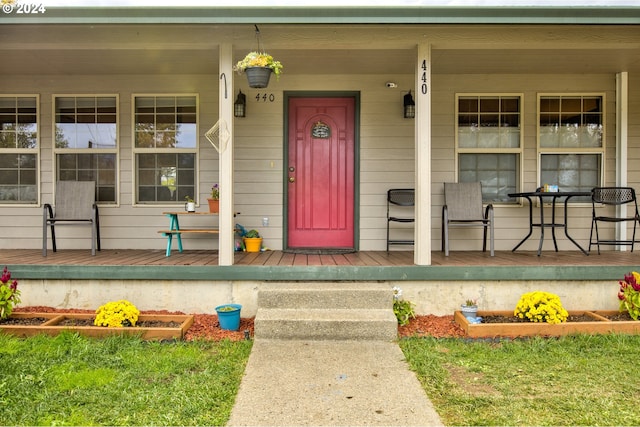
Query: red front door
(320, 173)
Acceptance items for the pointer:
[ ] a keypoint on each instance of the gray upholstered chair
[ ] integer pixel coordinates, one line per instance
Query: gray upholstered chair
(75, 204)
(463, 208)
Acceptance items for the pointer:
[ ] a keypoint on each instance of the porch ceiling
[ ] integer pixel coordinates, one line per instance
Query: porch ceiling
(86, 50)
(446, 61)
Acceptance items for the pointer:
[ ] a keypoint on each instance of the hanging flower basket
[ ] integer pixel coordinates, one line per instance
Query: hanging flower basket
(258, 77)
(258, 67)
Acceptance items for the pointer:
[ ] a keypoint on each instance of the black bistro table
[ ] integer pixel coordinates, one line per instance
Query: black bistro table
(554, 196)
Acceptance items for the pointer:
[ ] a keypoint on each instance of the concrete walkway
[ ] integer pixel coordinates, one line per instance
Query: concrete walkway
(330, 383)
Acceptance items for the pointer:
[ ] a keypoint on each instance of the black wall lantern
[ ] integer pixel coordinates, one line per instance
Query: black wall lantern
(240, 106)
(409, 107)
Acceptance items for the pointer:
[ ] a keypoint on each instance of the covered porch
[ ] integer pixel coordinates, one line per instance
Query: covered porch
(438, 54)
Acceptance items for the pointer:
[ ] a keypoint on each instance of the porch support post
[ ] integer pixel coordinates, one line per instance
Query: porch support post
(422, 247)
(622, 123)
(225, 157)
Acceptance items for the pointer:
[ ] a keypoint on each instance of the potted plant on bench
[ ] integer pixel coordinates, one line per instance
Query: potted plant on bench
(214, 200)
(190, 205)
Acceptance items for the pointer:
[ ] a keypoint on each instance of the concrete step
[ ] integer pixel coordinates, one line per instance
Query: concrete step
(325, 311)
(326, 324)
(321, 295)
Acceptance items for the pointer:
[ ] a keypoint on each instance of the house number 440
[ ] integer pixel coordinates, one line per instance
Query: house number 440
(265, 97)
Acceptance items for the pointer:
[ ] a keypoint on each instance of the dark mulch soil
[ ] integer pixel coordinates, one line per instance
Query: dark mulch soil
(75, 322)
(31, 321)
(619, 317)
(513, 319)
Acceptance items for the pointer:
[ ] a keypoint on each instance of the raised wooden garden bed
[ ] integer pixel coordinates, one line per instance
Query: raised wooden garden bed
(149, 326)
(591, 322)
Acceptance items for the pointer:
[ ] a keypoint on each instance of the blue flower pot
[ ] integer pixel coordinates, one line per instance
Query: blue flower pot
(469, 311)
(229, 316)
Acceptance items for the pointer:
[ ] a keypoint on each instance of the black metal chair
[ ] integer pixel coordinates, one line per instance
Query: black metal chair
(75, 204)
(403, 198)
(463, 208)
(613, 196)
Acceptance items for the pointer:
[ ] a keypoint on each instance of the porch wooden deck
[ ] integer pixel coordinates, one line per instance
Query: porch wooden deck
(125, 257)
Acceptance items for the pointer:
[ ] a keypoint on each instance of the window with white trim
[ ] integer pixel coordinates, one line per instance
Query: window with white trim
(86, 141)
(19, 149)
(489, 143)
(571, 141)
(165, 147)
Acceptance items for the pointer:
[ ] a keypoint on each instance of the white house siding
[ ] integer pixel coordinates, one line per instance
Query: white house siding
(386, 153)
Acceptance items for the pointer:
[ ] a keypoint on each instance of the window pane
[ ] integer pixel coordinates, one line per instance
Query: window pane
(27, 135)
(106, 105)
(105, 135)
(571, 172)
(79, 126)
(495, 126)
(577, 124)
(165, 177)
(66, 106)
(186, 105)
(18, 122)
(18, 176)
(186, 136)
(510, 105)
(592, 104)
(88, 123)
(98, 167)
(18, 130)
(7, 140)
(489, 119)
(86, 105)
(489, 105)
(549, 120)
(498, 174)
(166, 122)
(468, 105)
(467, 136)
(549, 104)
(571, 104)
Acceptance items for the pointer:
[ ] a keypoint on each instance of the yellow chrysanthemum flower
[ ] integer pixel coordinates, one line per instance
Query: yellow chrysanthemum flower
(541, 307)
(117, 314)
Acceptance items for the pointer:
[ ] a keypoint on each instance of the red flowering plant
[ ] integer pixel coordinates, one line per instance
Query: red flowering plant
(629, 294)
(9, 294)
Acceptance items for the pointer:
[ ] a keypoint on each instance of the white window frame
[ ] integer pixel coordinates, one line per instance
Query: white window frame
(31, 151)
(143, 150)
(519, 151)
(115, 150)
(570, 150)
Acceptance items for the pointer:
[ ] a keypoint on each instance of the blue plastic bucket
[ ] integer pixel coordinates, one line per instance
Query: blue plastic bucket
(229, 319)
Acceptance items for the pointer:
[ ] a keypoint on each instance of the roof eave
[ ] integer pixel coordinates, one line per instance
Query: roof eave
(333, 15)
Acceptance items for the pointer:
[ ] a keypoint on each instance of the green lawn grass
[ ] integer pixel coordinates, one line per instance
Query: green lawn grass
(72, 380)
(575, 380)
